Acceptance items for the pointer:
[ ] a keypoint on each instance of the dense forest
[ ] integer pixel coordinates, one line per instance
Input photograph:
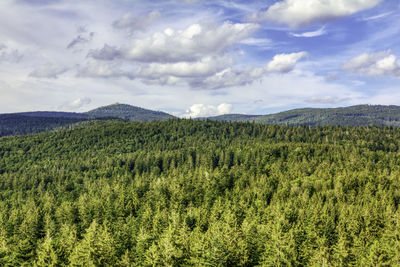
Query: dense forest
(201, 193)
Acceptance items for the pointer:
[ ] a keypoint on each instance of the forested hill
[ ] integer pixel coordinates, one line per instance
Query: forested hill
(128, 112)
(16, 124)
(201, 193)
(42, 121)
(361, 115)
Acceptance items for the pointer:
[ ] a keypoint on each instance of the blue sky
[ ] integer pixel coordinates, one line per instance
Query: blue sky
(196, 57)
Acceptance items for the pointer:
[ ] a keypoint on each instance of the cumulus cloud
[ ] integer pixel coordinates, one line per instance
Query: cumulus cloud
(316, 33)
(190, 56)
(190, 44)
(198, 56)
(297, 13)
(102, 69)
(204, 67)
(281, 63)
(202, 110)
(375, 64)
(134, 23)
(211, 72)
(230, 77)
(284, 63)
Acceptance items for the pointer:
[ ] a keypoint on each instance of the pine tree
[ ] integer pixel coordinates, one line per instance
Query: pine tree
(95, 249)
(46, 254)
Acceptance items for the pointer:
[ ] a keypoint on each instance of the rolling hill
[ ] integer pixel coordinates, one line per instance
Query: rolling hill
(17, 124)
(360, 115)
(43, 121)
(128, 112)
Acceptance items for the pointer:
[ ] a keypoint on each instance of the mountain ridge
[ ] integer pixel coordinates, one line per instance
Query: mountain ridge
(42, 121)
(358, 115)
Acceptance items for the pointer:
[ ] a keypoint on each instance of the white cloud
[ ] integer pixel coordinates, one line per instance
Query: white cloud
(379, 16)
(297, 13)
(48, 71)
(208, 73)
(316, 33)
(230, 77)
(204, 67)
(202, 110)
(284, 63)
(134, 23)
(262, 42)
(191, 56)
(375, 64)
(102, 69)
(190, 44)
(77, 104)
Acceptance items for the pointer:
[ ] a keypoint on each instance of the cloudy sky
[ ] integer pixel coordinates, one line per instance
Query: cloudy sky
(198, 57)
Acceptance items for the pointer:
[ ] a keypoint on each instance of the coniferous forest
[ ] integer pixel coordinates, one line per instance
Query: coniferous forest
(201, 193)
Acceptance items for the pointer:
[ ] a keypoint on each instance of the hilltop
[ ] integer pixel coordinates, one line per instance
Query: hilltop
(128, 112)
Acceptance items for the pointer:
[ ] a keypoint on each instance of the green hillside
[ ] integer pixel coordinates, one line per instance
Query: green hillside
(128, 112)
(195, 193)
(361, 115)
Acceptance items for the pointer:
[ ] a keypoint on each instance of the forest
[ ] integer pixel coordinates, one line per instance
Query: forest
(201, 193)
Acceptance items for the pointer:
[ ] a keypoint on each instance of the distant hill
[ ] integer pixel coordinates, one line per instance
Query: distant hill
(43, 121)
(360, 115)
(230, 117)
(128, 112)
(17, 124)
(54, 114)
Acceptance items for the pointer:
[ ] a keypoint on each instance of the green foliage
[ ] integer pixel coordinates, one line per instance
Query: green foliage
(202, 193)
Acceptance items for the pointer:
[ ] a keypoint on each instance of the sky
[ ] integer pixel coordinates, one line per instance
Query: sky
(196, 58)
